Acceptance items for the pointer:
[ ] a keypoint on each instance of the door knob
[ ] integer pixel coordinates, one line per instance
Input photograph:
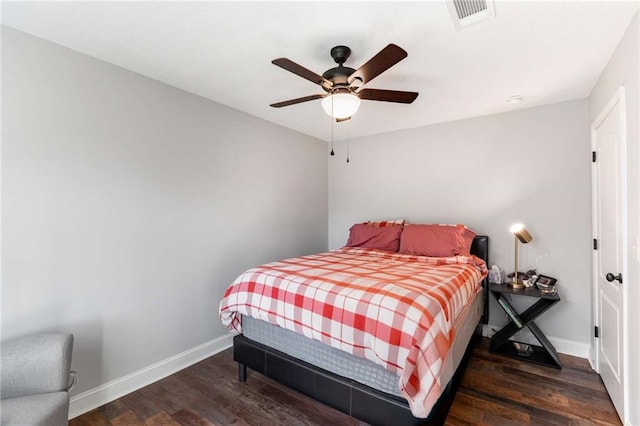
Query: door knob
(610, 277)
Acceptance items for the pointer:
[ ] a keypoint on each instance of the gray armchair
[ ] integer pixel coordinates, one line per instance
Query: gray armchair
(36, 379)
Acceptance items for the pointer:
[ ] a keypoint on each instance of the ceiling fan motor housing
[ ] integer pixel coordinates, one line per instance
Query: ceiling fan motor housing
(338, 75)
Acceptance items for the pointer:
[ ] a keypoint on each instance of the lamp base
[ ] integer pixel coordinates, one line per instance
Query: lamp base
(516, 284)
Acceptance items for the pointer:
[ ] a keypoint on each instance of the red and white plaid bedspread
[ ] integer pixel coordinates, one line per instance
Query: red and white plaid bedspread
(396, 310)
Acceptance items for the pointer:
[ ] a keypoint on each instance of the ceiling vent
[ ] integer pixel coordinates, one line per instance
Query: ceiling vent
(468, 12)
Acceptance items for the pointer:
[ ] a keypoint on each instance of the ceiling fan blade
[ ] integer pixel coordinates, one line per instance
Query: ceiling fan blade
(291, 66)
(340, 120)
(385, 59)
(387, 95)
(296, 101)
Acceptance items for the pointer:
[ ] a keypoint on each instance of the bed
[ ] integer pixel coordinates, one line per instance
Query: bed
(402, 370)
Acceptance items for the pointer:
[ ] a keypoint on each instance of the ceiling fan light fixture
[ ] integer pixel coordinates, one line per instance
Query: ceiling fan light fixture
(341, 105)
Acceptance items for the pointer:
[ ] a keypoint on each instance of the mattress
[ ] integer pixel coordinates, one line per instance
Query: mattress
(355, 368)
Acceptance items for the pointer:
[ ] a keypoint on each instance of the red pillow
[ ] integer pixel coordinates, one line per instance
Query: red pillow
(375, 237)
(465, 239)
(437, 240)
(430, 240)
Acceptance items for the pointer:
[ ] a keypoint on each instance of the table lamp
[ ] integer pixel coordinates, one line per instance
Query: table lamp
(522, 235)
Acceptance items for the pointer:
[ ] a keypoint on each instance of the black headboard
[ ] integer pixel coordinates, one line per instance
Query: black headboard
(480, 248)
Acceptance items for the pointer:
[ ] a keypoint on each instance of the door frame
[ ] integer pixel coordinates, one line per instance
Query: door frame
(618, 97)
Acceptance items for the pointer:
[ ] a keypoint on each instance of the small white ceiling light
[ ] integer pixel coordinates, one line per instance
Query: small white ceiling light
(516, 99)
(341, 105)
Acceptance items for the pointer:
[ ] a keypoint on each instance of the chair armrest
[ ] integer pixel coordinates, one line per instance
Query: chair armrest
(36, 364)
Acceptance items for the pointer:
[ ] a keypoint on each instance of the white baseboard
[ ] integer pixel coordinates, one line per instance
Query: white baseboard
(592, 358)
(103, 394)
(570, 347)
(563, 346)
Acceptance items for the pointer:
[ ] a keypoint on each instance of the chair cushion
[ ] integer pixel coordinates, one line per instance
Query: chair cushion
(46, 409)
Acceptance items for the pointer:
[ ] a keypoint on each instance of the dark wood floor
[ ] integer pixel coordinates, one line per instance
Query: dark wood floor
(495, 391)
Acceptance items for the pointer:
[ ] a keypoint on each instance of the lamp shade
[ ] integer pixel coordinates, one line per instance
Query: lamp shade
(521, 233)
(341, 105)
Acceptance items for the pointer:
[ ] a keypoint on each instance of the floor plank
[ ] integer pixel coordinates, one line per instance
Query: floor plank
(495, 390)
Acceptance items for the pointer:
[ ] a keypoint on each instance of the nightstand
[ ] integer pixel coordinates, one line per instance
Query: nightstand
(500, 343)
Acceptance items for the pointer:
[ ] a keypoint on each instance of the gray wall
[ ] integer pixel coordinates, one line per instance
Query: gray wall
(623, 69)
(129, 206)
(529, 166)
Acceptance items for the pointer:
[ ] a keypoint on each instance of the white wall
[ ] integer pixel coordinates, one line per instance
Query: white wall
(129, 206)
(623, 69)
(531, 166)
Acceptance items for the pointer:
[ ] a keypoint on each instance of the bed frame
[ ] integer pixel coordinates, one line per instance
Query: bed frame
(350, 397)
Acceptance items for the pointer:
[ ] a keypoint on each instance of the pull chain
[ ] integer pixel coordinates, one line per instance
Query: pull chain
(348, 127)
(331, 120)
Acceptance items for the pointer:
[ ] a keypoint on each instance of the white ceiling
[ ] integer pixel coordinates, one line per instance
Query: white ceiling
(547, 51)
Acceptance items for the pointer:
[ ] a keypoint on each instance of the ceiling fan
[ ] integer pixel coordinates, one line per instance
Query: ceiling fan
(343, 85)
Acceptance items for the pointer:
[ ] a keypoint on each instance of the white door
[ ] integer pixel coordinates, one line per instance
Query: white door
(609, 171)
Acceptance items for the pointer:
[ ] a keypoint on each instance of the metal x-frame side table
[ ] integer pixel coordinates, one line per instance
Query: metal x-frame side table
(500, 343)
